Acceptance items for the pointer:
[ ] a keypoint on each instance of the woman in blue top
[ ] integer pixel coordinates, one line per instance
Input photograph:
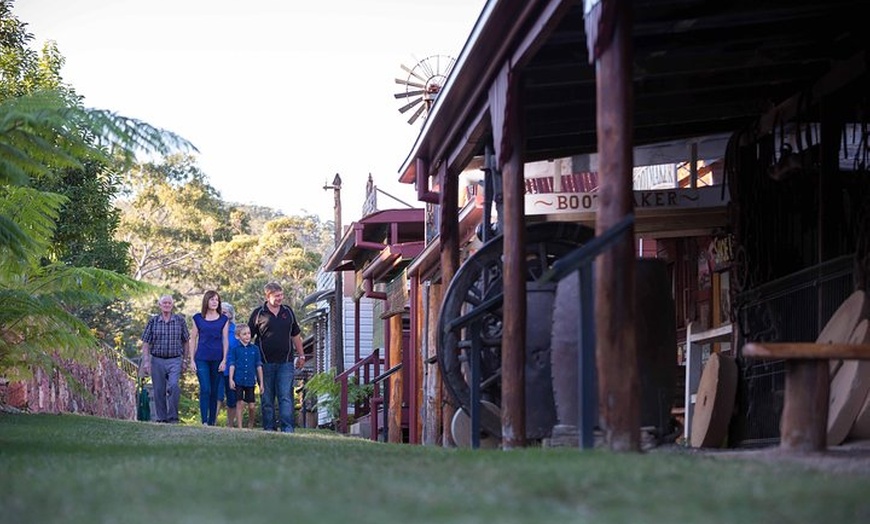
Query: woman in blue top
(209, 336)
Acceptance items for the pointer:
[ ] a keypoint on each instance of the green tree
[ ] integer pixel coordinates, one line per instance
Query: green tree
(239, 273)
(84, 170)
(170, 218)
(88, 219)
(38, 131)
(287, 250)
(23, 70)
(250, 219)
(85, 234)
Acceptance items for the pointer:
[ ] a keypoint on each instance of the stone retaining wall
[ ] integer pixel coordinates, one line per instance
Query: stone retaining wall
(104, 390)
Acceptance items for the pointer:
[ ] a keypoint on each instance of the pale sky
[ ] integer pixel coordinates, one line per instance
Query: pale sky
(277, 95)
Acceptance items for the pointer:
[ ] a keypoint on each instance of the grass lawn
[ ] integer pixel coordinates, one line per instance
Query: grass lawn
(67, 468)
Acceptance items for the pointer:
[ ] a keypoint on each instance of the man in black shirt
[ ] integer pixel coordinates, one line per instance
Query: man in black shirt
(275, 330)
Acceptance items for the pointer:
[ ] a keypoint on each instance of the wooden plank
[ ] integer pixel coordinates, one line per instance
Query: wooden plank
(431, 376)
(394, 432)
(806, 350)
(415, 376)
(717, 334)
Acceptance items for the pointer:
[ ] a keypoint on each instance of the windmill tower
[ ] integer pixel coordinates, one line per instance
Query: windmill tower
(422, 84)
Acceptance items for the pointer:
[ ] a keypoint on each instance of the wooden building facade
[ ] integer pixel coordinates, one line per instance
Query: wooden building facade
(776, 87)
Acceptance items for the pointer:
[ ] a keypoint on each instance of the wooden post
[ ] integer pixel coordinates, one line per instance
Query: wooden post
(513, 351)
(396, 387)
(449, 232)
(337, 339)
(356, 330)
(804, 422)
(432, 429)
(616, 351)
(414, 366)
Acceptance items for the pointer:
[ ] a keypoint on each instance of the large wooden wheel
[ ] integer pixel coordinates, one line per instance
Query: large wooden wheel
(472, 308)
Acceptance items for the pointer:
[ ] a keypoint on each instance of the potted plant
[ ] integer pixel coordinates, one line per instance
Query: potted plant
(328, 391)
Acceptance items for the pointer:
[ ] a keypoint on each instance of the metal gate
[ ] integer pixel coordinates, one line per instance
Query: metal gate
(794, 308)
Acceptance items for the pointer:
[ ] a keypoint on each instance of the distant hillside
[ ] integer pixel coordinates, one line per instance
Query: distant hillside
(257, 215)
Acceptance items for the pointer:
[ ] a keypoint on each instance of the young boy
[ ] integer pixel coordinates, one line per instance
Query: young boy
(246, 370)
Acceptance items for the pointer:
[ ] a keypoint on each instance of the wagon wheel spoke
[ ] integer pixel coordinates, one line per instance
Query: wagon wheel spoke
(484, 308)
(474, 300)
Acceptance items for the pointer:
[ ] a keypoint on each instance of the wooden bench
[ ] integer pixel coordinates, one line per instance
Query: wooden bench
(804, 422)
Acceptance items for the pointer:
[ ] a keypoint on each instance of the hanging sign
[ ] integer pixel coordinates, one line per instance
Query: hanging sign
(651, 200)
(720, 252)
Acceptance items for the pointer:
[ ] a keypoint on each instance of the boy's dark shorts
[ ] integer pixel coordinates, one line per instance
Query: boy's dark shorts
(245, 394)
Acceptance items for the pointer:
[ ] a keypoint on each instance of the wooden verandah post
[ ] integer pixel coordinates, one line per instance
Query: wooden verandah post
(449, 232)
(513, 351)
(608, 27)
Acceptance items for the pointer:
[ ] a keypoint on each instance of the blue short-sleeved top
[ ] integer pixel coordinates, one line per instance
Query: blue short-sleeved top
(210, 344)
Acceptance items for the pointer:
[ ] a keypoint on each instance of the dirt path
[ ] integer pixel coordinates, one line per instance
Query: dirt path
(851, 457)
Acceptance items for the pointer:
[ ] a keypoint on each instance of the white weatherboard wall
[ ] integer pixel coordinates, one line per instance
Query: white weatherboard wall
(365, 336)
(366, 316)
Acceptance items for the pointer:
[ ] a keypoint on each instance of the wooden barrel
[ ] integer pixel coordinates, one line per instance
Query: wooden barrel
(656, 345)
(656, 332)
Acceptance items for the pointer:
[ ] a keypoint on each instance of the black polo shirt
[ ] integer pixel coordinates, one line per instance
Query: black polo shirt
(273, 333)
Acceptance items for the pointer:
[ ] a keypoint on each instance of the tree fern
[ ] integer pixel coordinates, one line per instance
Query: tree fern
(40, 133)
(28, 215)
(47, 130)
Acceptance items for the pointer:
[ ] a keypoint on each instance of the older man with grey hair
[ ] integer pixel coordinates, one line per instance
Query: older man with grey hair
(165, 342)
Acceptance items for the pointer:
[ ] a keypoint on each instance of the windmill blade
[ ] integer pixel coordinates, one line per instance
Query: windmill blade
(449, 68)
(427, 67)
(409, 83)
(417, 114)
(411, 104)
(408, 93)
(412, 73)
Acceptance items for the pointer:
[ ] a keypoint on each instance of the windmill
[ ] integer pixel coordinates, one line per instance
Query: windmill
(422, 84)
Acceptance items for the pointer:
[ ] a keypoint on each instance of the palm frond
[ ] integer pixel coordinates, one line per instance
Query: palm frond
(46, 130)
(36, 134)
(36, 321)
(39, 133)
(14, 242)
(129, 135)
(33, 329)
(27, 224)
(82, 286)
